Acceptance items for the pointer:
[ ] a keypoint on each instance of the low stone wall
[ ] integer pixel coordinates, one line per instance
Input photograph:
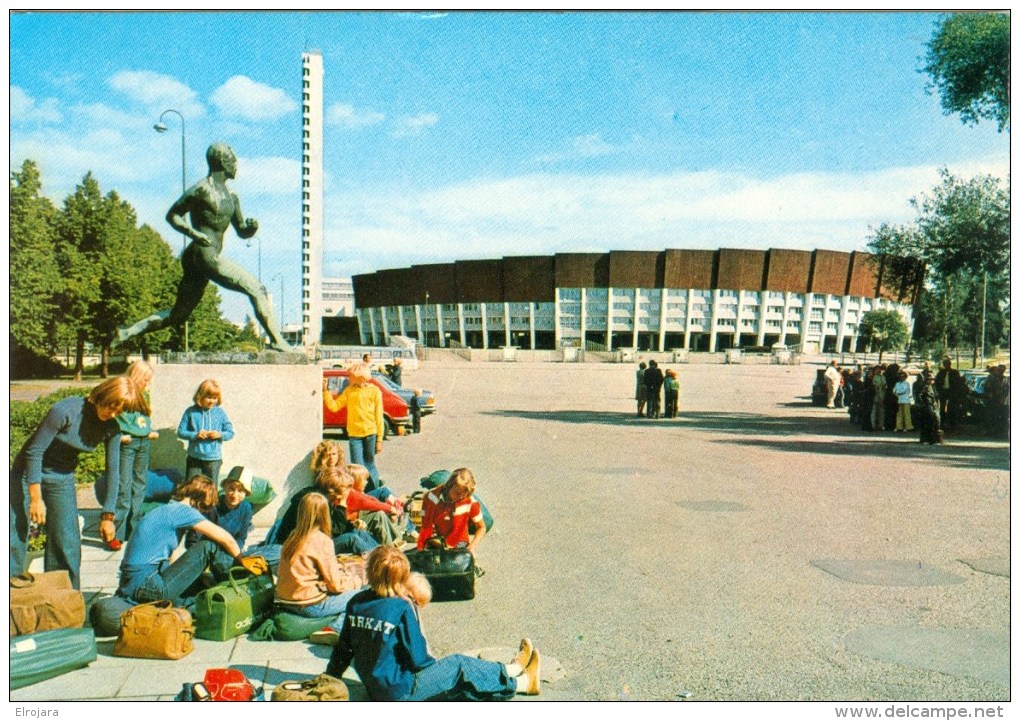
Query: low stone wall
(276, 411)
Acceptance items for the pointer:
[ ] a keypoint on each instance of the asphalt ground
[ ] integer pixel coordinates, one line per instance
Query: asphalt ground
(756, 548)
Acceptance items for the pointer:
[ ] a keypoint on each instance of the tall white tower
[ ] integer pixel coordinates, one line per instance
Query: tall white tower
(311, 197)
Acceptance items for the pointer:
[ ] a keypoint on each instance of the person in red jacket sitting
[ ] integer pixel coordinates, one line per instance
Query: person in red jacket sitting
(380, 518)
(451, 515)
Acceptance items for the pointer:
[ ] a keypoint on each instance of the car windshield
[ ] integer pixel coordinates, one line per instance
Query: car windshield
(387, 382)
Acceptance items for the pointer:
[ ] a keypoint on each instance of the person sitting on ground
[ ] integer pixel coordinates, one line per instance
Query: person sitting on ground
(310, 582)
(233, 511)
(382, 638)
(380, 518)
(333, 484)
(450, 512)
(146, 573)
(328, 454)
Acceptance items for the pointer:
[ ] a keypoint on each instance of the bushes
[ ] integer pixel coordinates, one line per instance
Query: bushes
(26, 417)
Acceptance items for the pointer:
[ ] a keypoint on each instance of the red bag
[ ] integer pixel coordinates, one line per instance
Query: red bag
(229, 684)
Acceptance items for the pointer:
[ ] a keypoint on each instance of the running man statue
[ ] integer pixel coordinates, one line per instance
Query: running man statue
(212, 206)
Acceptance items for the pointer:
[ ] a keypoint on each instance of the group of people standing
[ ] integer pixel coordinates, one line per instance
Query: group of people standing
(650, 383)
(884, 397)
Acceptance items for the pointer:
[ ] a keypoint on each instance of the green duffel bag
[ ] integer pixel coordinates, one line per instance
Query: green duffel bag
(39, 656)
(233, 607)
(284, 626)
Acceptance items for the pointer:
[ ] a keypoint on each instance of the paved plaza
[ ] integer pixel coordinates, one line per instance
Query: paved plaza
(755, 548)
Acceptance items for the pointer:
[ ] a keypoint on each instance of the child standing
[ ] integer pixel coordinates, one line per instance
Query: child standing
(365, 421)
(904, 399)
(672, 392)
(136, 436)
(205, 426)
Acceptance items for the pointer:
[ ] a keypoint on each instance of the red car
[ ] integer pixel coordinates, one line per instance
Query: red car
(395, 412)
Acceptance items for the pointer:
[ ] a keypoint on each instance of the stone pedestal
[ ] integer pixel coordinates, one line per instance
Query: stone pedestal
(276, 411)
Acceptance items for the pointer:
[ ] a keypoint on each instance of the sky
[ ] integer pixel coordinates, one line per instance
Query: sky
(457, 135)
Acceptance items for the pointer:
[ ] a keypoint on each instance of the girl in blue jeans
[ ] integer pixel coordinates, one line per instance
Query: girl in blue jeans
(382, 638)
(136, 436)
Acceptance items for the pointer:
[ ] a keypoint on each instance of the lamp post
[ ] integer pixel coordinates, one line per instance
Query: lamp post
(425, 332)
(160, 127)
(282, 316)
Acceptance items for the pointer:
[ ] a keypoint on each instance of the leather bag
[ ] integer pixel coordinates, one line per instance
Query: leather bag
(229, 684)
(235, 606)
(451, 572)
(321, 688)
(352, 572)
(45, 602)
(155, 630)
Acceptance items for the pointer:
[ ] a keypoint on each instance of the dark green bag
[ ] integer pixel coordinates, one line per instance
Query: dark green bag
(283, 626)
(233, 607)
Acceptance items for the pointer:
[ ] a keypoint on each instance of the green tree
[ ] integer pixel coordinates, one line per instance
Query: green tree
(968, 62)
(208, 330)
(249, 339)
(883, 330)
(79, 231)
(34, 274)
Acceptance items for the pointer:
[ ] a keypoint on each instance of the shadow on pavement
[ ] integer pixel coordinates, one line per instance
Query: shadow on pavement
(894, 447)
(743, 423)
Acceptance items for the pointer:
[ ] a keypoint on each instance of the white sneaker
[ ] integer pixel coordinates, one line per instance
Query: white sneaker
(326, 637)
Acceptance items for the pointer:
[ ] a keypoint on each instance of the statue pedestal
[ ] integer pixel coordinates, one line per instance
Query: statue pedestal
(276, 411)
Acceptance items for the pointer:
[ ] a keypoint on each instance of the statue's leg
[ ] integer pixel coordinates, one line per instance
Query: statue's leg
(232, 276)
(189, 295)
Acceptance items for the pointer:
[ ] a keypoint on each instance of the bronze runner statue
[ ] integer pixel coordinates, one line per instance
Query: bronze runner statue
(212, 206)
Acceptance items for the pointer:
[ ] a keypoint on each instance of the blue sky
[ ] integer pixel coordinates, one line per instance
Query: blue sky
(473, 135)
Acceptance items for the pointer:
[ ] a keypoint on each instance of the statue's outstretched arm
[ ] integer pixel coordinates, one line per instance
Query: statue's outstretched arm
(177, 217)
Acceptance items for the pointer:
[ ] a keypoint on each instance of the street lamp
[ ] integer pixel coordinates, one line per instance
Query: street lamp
(160, 127)
(282, 317)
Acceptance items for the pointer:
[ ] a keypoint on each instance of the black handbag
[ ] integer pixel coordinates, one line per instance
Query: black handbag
(451, 572)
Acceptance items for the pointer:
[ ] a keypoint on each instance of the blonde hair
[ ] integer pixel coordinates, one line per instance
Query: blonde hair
(462, 477)
(359, 474)
(201, 490)
(361, 372)
(334, 479)
(313, 515)
(208, 389)
(389, 574)
(322, 451)
(113, 394)
(420, 590)
(139, 373)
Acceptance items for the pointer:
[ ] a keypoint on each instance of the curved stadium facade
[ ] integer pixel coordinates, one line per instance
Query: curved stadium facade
(700, 300)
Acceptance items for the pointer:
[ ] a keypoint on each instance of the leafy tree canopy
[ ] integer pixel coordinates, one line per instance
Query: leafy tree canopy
(968, 62)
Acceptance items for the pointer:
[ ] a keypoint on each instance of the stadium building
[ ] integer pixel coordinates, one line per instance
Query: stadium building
(699, 300)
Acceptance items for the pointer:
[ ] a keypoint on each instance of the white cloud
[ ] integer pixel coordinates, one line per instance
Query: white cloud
(347, 116)
(25, 108)
(413, 125)
(242, 97)
(268, 176)
(157, 91)
(548, 213)
(582, 146)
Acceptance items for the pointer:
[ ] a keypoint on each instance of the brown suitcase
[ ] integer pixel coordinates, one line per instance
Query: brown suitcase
(320, 688)
(155, 630)
(45, 602)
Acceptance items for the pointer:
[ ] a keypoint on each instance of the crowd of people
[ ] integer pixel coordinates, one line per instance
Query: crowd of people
(885, 397)
(652, 385)
(347, 509)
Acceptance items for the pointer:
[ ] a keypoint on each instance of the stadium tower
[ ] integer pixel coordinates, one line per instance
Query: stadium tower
(311, 197)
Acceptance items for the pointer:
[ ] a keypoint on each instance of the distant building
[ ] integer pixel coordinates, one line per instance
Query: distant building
(311, 197)
(337, 297)
(701, 300)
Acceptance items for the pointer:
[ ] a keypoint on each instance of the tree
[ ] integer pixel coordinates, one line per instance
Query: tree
(968, 62)
(208, 330)
(34, 275)
(961, 236)
(884, 330)
(249, 339)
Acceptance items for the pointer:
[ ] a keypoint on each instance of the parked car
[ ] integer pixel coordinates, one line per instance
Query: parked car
(974, 404)
(428, 398)
(395, 411)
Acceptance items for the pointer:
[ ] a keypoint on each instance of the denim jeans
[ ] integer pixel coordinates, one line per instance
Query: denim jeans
(171, 581)
(333, 606)
(63, 534)
(359, 542)
(197, 467)
(363, 453)
(462, 678)
(134, 470)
